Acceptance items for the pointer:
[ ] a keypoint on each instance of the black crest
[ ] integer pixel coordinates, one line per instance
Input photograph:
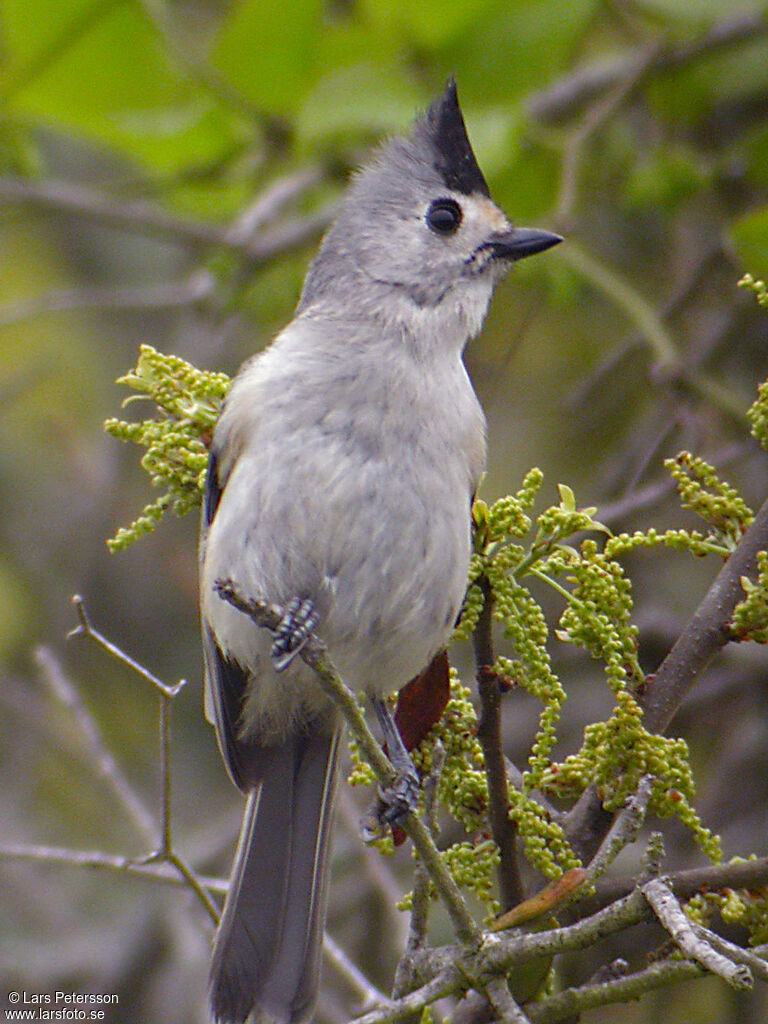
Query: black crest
(447, 135)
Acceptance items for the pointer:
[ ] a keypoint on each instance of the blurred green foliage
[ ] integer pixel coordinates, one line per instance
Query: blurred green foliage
(137, 141)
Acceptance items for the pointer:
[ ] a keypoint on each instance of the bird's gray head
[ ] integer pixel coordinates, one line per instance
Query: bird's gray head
(418, 227)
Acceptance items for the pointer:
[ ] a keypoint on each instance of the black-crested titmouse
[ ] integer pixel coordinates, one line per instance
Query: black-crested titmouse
(341, 476)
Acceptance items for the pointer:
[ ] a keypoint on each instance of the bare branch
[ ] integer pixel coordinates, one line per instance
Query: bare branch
(151, 870)
(738, 874)
(673, 918)
(85, 629)
(503, 829)
(197, 288)
(572, 1001)
(149, 220)
(505, 1009)
(571, 94)
(100, 757)
(370, 995)
(624, 830)
(733, 952)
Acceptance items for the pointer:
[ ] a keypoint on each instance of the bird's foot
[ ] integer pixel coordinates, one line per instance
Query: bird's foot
(292, 632)
(401, 797)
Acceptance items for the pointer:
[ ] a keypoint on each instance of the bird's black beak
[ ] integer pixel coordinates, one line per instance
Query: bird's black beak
(517, 243)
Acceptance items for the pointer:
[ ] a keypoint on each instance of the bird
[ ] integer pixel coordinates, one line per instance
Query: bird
(341, 476)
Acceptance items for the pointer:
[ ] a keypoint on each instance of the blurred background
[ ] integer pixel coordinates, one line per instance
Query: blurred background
(166, 170)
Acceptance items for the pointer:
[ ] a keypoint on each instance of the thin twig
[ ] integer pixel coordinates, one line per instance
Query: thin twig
(149, 220)
(505, 1009)
(85, 629)
(152, 870)
(99, 755)
(624, 295)
(165, 852)
(568, 96)
(420, 898)
(150, 297)
(165, 776)
(447, 981)
(624, 830)
(595, 118)
(195, 884)
(315, 656)
(673, 918)
(272, 201)
(370, 996)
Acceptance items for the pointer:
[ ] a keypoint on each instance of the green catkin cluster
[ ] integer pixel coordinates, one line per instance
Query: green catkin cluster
(513, 555)
(702, 491)
(757, 287)
(187, 404)
(597, 618)
(750, 617)
(746, 908)
(758, 415)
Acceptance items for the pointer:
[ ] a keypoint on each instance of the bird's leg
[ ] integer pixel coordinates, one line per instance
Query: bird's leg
(293, 631)
(399, 798)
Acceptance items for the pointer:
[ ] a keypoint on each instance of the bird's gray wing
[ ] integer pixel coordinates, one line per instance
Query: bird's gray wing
(225, 680)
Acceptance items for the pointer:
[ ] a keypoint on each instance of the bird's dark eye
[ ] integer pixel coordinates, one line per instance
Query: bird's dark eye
(444, 216)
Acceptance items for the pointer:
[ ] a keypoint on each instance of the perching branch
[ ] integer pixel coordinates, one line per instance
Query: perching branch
(315, 656)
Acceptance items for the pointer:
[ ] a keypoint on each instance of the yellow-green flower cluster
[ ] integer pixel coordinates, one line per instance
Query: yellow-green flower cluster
(747, 908)
(757, 287)
(546, 847)
(462, 788)
(617, 753)
(750, 617)
(598, 618)
(473, 866)
(187, 402)
(758, 415)
(716, 502)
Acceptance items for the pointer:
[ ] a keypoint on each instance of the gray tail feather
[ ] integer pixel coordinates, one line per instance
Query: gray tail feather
(268, 946)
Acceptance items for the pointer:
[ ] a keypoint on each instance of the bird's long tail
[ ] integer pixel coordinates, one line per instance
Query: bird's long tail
(268, 946)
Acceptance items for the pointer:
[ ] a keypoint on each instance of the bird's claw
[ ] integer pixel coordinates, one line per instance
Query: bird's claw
(390, 805)
(400, 798)
(292, 632)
